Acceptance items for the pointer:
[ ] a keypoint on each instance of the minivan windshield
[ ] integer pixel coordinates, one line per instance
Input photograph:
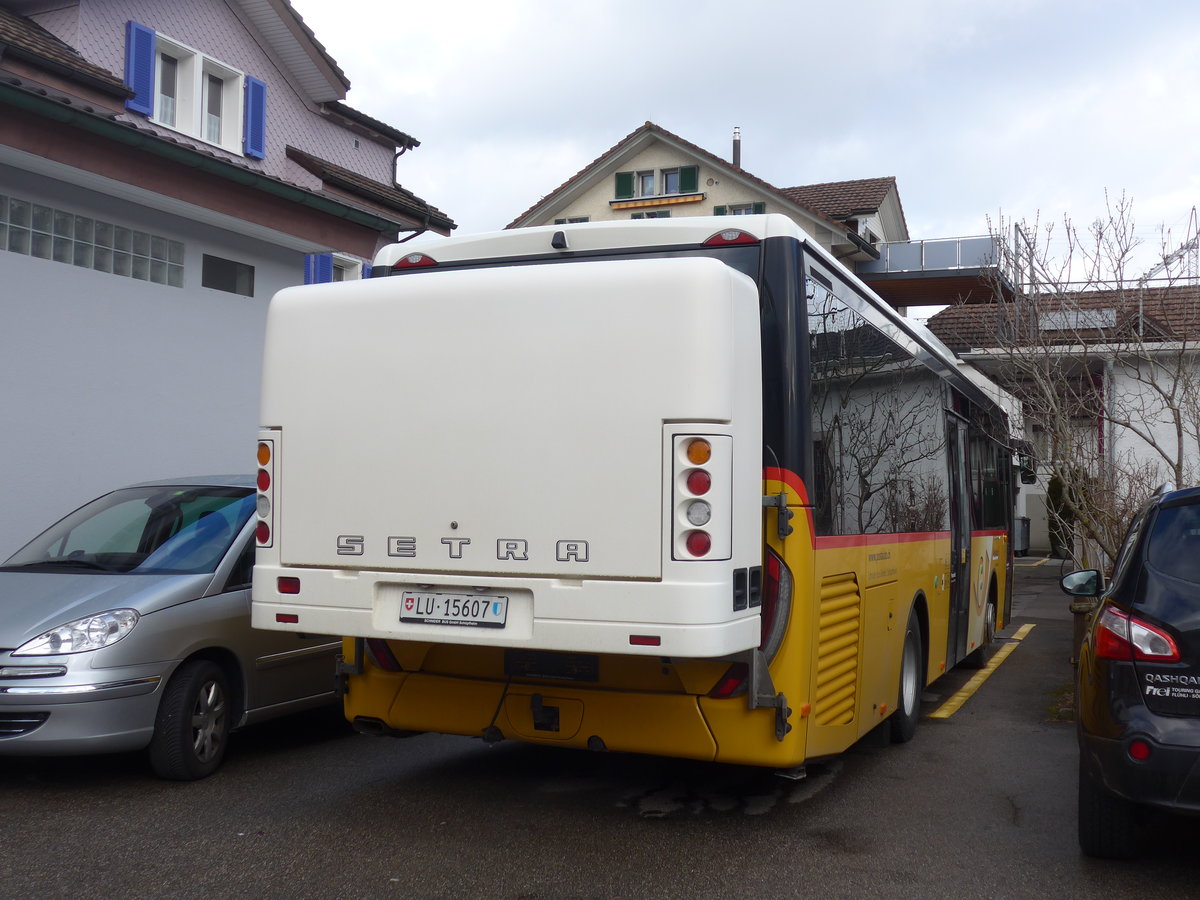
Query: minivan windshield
(142, 530)
(1174, 544)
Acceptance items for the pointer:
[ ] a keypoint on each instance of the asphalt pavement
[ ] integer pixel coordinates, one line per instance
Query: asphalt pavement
(980, 804)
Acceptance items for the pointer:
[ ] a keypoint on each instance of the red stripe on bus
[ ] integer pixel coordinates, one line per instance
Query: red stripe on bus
(841, 541)
(789, 478)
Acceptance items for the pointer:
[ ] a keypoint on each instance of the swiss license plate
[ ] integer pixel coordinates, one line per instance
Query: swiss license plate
(427, 608)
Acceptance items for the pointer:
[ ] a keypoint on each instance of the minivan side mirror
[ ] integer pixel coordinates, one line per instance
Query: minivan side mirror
(1088, 583)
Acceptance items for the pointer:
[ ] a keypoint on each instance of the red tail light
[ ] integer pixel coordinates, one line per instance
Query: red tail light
(264, 530)
(776, 607)
(731, 236)
(1120, 636)
(381, 655)
(731, 681)
(413, 261)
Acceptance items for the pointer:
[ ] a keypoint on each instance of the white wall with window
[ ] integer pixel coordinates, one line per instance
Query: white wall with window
(687, 186)
(114, 376)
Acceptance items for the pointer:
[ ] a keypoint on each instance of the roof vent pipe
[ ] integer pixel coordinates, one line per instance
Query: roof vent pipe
(737, 147)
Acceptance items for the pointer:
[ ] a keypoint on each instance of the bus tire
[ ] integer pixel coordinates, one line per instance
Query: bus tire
(978, 657)
(908, 701)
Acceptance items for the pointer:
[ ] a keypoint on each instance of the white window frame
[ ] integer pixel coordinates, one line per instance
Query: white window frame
(351, 269)
(192, 73)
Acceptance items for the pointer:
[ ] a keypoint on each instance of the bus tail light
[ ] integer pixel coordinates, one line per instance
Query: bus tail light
(264, 530)
(701, 496)
(413, 261)
(381, 656)
(730, 236)
(776, 608)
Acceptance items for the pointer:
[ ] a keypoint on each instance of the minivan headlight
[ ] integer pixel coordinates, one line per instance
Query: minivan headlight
(88, 633)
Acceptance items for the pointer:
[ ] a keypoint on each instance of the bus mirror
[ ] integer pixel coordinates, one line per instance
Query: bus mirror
(1026, 462)
(1028, 469)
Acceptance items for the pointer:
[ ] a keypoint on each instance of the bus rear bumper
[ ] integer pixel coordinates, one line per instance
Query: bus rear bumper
(660, 724)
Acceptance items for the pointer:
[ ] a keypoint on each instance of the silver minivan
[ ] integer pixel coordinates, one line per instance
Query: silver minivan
(126, 626)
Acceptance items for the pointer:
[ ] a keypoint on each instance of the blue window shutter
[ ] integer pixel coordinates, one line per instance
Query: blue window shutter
(318, 268)
(366, 270)
(254, 134)
(139, 67)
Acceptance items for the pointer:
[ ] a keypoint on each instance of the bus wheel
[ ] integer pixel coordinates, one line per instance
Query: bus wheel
(908, 704)
(978, 657)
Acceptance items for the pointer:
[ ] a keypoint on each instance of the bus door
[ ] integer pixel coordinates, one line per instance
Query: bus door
(960, 535)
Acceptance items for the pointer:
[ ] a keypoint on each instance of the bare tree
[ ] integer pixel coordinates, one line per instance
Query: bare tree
(1106, 364)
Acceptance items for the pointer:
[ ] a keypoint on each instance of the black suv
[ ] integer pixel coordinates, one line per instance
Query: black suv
(1137, 686)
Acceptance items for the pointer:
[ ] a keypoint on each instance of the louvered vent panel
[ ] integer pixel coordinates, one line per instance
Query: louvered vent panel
(839, 625)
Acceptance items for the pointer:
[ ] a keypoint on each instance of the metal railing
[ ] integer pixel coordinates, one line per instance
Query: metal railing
(941, 254)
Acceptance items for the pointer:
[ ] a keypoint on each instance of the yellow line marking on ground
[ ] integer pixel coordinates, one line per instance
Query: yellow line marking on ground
(951, 706)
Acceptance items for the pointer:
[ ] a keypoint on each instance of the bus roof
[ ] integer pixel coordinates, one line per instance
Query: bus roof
(583, 237)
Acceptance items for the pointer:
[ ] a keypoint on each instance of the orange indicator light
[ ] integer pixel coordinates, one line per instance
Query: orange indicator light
(264, 453)
(699, 451)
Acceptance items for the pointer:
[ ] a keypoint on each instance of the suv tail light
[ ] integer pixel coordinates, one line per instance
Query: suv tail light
(1120, 636)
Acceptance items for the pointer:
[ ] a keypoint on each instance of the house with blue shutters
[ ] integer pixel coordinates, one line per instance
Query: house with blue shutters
(165, 168)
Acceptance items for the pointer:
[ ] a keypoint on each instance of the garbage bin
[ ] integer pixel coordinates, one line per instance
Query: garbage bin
(1021, 536)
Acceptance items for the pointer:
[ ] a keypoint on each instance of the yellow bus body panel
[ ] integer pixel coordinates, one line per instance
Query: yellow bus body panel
(838, 664)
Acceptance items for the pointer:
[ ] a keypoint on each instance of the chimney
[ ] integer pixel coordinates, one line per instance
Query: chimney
(737, 147)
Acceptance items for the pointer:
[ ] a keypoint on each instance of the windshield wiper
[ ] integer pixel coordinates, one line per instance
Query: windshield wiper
(58, 562)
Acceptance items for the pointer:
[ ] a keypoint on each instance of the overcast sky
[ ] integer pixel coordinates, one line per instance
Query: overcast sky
(1020, 108)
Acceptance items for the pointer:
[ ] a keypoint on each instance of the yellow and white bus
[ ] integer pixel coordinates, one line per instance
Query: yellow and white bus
(681, 487)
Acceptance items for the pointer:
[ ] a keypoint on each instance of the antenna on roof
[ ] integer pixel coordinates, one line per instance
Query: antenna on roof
(737, 147)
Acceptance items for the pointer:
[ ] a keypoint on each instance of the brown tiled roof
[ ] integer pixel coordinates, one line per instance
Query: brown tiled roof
(699, 152)
(1166, 314)
(394, 198)
(407, 142)
(25, 39)
(841, 200)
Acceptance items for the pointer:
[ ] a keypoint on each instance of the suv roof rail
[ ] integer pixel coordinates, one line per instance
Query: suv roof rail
(1165, 488)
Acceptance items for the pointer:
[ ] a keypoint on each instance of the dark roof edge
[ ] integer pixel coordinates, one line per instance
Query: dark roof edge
(401, 139)
(108, 86)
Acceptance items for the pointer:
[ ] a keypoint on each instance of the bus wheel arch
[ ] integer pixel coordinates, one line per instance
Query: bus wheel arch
(978, 657)
(913, 670)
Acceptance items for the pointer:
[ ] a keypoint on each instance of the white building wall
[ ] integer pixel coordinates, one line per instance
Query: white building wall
(107, 380)
(724, 190)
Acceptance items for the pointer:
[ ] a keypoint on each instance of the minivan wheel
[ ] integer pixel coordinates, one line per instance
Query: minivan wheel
(908, 704)
(1107, 823)
(191, 730)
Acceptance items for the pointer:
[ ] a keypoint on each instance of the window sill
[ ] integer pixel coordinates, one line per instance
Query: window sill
(235, 149)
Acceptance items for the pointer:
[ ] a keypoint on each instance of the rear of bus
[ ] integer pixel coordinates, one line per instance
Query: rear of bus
(531, 494)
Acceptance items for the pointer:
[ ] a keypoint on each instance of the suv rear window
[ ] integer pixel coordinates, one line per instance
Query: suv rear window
(1174, 545)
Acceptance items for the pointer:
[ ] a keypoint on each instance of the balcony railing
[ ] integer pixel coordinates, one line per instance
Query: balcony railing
(936, 255)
